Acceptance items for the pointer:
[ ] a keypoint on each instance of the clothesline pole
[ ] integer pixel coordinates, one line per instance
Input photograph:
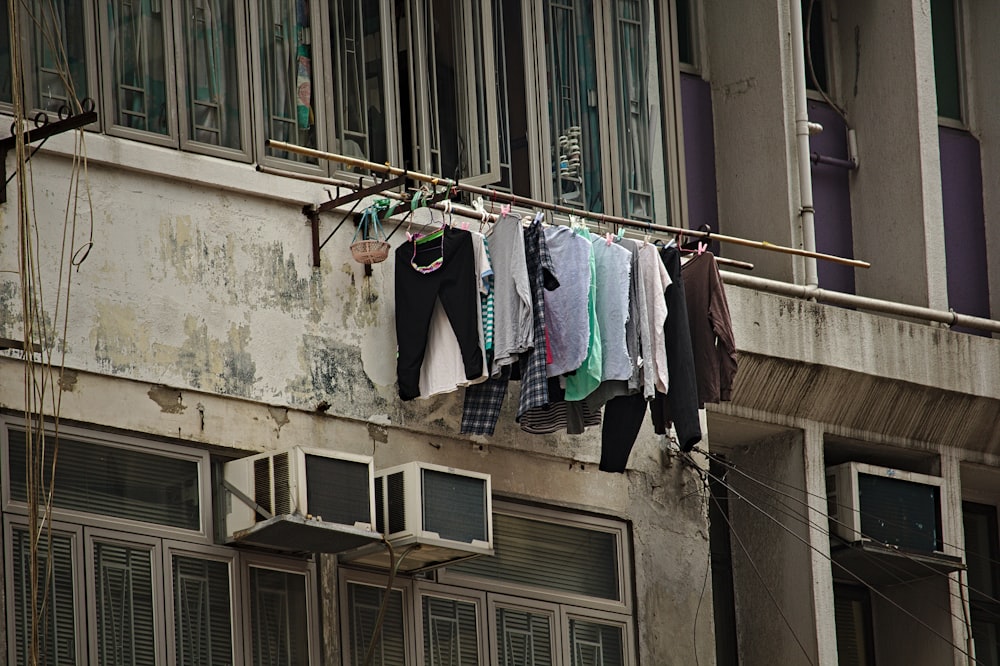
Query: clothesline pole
(558, 208)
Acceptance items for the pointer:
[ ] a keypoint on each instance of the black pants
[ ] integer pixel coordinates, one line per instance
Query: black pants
(455, 283)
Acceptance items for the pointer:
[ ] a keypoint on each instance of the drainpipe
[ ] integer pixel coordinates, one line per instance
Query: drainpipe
(802, 127)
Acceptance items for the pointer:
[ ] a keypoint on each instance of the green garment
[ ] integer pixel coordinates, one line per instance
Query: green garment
(588, 377)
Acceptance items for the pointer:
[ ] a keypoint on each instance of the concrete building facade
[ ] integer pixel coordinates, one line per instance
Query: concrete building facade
(183, 320)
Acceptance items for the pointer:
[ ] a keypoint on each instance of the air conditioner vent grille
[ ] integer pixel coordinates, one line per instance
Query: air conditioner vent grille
(900, 513)
(282, 485)
(338, 490)
(379, 503)
(396, 502)
(262, 485)
(454, 506)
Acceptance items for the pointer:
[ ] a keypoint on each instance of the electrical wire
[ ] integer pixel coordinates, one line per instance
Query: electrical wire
(721, 460)
(687, 459)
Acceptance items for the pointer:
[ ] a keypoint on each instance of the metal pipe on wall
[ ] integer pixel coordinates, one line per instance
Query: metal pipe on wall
(860, 302)
(806, 209)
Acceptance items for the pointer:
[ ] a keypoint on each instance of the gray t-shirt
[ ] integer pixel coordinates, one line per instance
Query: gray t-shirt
(512, 323)
(566, 318)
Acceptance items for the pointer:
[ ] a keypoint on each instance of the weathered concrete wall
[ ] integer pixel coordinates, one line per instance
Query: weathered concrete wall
(198, 317)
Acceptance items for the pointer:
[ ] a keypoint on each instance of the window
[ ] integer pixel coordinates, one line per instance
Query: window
(553, 593)
(814, 32)
(947, 59)
(55, 49)
(982, 557)
(122, 581)
(853, 618)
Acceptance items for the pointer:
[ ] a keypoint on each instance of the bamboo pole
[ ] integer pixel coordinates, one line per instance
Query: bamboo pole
(534, 203)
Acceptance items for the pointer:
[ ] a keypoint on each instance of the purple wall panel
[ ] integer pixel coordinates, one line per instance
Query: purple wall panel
(832, 199)
(699, 153)
(964, 223)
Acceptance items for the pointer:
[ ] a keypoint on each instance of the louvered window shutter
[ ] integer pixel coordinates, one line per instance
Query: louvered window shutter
(450, 632)
(364, 602)
(279, 618)
(549, 555)
(124, 603)
(525, 638)
(57, 635)
(595, 644)
(202, 623)
(112, 481)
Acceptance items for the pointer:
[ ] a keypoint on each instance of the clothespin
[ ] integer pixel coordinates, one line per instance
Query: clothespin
(609, 238)
(539, 216)
(505, 209)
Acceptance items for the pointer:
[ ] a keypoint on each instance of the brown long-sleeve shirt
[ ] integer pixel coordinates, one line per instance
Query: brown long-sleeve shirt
(711, 329)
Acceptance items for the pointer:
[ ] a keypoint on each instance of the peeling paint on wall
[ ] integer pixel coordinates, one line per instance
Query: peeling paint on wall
(169, 400)
(67, 380)
(280, 417)
(239, 369)
(10, 308)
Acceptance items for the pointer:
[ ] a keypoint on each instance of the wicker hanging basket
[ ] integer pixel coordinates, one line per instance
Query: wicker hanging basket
(372, 247)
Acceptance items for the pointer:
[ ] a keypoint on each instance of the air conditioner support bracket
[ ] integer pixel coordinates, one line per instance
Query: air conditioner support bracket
(246, 499)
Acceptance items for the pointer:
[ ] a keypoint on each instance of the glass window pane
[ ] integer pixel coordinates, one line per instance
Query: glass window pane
(451, 637)
(360, 79)
(124, 605)
(364, 602)
(279, 618)
(56, 638)
(508, 58)
(638, 100)
(946, 69)
(6, 71)
(286, 75)
(59, 55)
(595, 644)
(461, 130)
(524, 638)
(136, 44)
(112, 481)
(549, 555)
(202, 622)
(574, 113)
(213, 91)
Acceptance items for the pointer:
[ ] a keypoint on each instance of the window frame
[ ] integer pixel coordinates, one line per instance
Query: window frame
(186, 143)
(963, 81)
(92, 74)
(304, 568)
(568, 613)
(581, 521)
(108, 93)
(495, 600)
(215, 554)
(347, 576)
(91, 537)
(321, 92)
(80, 625)
(127, 443)
(422, 588)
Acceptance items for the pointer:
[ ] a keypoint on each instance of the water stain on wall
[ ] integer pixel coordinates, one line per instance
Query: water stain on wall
(335, 374)
(119, 342)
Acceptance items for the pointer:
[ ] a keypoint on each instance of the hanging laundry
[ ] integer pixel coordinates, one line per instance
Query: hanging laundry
(711, 328)
(559, 415)
(680, 404)
(655, 281)
(566, 314)
(587, 377)
(541, 277)
(443, 370)
(513, 331)
(442, 266)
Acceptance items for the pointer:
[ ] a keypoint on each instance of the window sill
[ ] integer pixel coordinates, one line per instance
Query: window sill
(192, 168)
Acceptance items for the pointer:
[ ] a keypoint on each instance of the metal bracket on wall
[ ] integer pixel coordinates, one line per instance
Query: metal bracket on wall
(42, 130)
(312, 212)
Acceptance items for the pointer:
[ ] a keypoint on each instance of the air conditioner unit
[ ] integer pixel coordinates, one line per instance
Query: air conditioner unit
(887, 506)
(431, 515)
(301, 500)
